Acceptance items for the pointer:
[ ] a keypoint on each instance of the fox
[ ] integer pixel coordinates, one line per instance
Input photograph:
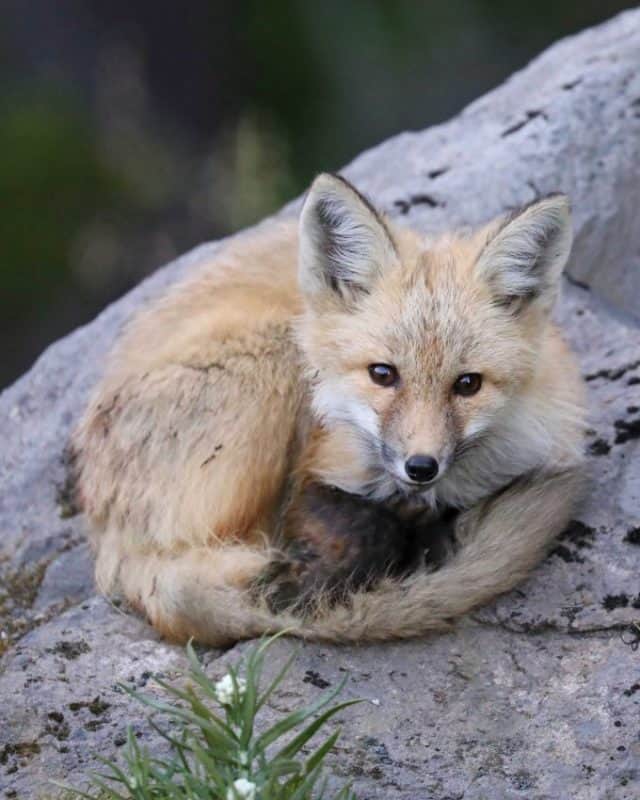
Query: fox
(318, 397)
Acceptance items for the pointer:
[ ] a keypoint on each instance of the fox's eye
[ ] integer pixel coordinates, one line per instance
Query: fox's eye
(468, 384)
(383, 374)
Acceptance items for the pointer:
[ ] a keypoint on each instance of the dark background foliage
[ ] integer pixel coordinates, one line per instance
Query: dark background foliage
(132, 130)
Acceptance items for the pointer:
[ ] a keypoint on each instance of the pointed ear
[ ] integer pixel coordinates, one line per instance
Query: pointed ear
(344, 244)
(525, 256)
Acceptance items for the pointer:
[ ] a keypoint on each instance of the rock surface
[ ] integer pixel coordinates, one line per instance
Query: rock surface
(534, 697)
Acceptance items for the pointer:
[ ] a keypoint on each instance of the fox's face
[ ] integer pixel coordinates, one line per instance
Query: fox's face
(419, 351)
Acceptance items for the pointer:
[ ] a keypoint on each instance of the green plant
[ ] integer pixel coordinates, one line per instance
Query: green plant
(216, 750)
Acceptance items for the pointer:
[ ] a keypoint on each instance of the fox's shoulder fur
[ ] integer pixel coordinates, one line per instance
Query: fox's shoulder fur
(337, 349)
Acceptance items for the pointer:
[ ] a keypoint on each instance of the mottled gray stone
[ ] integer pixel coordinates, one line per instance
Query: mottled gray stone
(67, 579)
(483, 713)
(532, 697)
(60, 691)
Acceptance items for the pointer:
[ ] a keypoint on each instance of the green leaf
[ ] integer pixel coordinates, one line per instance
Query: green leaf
(298, 717)
(71, 790)
(111, 792)
(276, 681)
(303, 737)
(318, 756)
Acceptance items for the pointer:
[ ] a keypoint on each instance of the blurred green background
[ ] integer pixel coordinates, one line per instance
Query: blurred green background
(131, 131)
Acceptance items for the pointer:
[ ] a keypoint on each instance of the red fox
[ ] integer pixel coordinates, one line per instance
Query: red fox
(342, 370)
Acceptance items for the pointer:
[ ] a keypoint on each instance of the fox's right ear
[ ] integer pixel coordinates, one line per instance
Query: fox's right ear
(344, 244)
(525, 256)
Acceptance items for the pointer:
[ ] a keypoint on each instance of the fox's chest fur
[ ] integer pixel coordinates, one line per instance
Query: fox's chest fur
(342, 384)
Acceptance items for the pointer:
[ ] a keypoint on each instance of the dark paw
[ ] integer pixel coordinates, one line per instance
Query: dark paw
(285, 585)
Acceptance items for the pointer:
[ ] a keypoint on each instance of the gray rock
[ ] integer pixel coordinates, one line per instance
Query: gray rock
(483, 713)
(535, 696)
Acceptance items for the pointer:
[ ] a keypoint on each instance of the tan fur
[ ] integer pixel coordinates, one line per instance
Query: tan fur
(236, 381)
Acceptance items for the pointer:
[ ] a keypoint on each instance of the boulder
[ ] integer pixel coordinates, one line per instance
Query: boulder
(537, 695)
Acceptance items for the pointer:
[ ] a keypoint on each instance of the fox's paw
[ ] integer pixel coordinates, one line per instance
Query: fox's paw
(285, 585)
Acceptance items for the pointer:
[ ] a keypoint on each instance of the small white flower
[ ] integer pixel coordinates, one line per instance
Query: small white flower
(242, 790)
(225, 690)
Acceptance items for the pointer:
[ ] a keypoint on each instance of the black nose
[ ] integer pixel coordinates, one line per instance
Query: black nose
(421, 469)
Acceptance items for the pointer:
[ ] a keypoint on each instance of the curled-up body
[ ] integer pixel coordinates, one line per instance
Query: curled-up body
(283, 440)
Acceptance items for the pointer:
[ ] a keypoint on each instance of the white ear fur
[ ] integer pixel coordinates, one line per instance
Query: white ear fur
(344, 244)
(524, 259)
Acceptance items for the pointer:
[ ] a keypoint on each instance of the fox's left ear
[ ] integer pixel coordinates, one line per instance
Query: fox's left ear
(344, 243)
(524, 258)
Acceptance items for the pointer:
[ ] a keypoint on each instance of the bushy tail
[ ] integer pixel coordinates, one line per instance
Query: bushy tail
(201, 593)
(501, 541)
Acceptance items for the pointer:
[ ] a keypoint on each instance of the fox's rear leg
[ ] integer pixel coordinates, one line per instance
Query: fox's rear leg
(199, 592)
(181, 474)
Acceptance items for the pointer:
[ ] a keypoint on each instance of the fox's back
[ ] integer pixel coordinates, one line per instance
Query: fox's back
(248, 286)
(196, 416)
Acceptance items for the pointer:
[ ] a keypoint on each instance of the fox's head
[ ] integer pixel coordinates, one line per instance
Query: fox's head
(419, 350)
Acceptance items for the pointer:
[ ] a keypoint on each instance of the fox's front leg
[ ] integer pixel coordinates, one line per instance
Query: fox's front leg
(334, 543)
